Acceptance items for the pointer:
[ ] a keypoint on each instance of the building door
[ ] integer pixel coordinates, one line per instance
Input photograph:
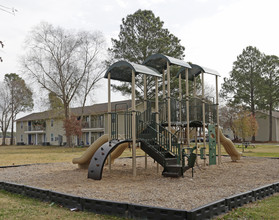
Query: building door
(87, 138)
(29, 139)
(60, 140)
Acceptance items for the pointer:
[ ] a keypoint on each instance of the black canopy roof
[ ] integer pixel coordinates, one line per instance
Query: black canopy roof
(122, 71)
(159, 62)
(195, 71)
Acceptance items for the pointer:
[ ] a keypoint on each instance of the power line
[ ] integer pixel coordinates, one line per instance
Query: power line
(8, 10)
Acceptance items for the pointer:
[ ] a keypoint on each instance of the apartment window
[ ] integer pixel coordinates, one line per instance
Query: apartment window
(101, 121)
(51, 137)
(21, 124)
(51, 122)
(21, 138)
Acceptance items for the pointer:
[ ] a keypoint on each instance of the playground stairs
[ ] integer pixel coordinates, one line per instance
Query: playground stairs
(156, 141)
(163, 157)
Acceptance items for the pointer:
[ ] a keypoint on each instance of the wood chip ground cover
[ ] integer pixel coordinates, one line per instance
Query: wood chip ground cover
(149, 187)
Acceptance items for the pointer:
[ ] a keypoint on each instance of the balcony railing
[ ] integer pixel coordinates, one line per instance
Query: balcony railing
(35, 128)
(92, 124)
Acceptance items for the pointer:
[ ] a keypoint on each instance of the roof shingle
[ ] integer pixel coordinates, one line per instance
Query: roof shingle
(88, 110)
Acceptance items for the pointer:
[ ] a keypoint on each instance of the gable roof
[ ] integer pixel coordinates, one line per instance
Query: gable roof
(88, 110)
(275, 114)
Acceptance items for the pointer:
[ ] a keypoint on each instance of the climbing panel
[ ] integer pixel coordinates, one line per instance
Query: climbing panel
(97, 162)
(212, 144)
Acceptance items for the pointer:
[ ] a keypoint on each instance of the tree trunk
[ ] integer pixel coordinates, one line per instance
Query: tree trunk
(3, 137)
(270, 122)
(12, 132)
(253, 112)
(67, 115)
(252, 104)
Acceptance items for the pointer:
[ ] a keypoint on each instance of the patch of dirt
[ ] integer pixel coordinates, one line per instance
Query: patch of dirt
(149, 187)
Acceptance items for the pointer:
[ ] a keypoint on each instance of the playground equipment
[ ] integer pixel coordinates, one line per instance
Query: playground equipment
(84, 160)
(164, 125)
(229, 147)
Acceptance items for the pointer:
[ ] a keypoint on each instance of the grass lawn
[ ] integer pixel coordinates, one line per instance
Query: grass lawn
(262, 209)
(261, 151)
(16, 155)
(19, 207)
(28, 154)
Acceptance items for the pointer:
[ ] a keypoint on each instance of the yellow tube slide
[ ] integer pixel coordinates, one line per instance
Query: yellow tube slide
(118, 151)
(84, 160)
(229, 146)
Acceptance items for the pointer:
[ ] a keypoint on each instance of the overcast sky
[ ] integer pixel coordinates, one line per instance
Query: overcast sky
(214, 32)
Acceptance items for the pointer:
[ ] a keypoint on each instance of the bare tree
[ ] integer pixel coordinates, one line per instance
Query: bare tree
(95, 46)
(5, 111)
(1, 45)
(20, 97)
(61, 60)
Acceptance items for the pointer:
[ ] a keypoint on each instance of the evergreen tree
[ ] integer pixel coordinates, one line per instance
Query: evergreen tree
(141, 35)
(269, 87)
(242, 86)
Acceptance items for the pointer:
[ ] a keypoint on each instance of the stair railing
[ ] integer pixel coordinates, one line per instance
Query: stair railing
(155, 134)
(162, 138)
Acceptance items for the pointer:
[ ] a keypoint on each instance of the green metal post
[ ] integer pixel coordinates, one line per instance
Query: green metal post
(212, 144)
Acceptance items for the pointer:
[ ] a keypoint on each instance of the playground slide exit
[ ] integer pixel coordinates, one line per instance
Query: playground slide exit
(84, 160)
(229, 146)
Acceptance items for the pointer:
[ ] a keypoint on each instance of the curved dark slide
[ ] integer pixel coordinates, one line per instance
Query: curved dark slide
(95, 169)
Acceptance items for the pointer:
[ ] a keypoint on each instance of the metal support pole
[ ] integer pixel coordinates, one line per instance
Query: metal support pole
(180, 108)
(218, 123)
(195, 96)
(203, 115)
(157, 112)
(180, 119)
(196, 116)
(134, 124)
(187, 107)
(164, 96)
(109, 118)
(145, 108)
(169, 105)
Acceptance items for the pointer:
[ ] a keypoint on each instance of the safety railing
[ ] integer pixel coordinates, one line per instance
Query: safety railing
(114, 125)
(156, 134)
(167, 140)
(146, 128)
(121, 125)
(179, 110)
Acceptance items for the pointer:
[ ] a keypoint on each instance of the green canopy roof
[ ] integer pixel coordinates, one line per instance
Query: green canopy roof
(195, 71)
(159, 62)
(122, 71)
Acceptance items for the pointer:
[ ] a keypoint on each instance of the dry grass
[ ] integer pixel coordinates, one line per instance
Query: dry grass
(260, 151)
(19, 207)
(261, 209)
(16, 155)
(29, 154)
